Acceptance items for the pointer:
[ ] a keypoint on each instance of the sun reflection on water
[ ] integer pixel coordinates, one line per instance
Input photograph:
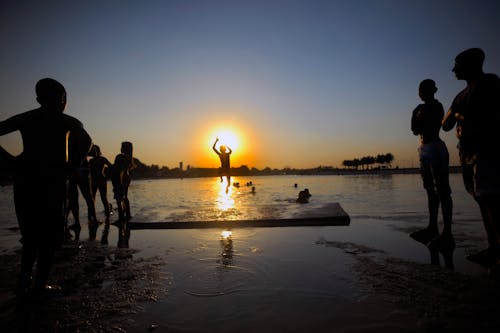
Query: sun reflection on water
(226, 234)
(225, 200)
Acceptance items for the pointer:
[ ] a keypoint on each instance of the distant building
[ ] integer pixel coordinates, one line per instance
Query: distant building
(181, 165)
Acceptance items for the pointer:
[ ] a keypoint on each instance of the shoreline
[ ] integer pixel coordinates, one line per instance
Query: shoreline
(7, 180)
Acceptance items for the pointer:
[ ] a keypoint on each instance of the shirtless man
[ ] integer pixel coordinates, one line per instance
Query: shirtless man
(224, 157)
(434, 167)
(53, 143)
(476, 113)
(99, 173)
(120, 177)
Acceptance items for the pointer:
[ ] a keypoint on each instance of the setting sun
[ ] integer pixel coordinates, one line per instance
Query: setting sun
(232, 134)
(228, 138)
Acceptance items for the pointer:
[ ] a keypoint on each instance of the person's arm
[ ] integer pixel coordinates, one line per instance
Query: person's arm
(230, 150)
(449, 120)
(10, 125)
(416, 121)
(7, 159)
(79, 144)
(213, 147)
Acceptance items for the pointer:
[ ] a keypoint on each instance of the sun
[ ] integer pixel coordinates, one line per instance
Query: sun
(227, 138)
(231, 135)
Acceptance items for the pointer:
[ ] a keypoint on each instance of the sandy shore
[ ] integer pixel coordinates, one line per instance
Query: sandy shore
(144, 288)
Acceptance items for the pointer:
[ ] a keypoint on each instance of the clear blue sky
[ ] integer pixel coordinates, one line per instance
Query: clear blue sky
(304, 83)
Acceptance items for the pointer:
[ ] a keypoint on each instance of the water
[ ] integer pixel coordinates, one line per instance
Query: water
(396, 197)
(268, 278)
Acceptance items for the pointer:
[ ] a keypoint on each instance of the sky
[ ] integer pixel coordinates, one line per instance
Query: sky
(298, 83)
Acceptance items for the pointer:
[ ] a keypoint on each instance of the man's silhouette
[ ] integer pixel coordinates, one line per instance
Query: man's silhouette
(224, 156)
(476, 113)
(434, 166)
(53, 143)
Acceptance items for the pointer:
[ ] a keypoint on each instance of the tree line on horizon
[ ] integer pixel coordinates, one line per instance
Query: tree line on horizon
(383, 160)
(154, 171)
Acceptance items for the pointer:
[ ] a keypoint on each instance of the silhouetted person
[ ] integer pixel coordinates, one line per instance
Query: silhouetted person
(476, 113)
(120, 177)
(434, 167)
(80, 179)
(304, 196)
(224, 156)
(53, 142)
(99, 173)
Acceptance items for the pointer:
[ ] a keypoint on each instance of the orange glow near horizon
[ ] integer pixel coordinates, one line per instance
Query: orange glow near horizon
(230, 135)
(227, 137)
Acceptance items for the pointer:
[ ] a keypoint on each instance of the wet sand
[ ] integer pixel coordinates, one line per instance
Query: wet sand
(368, 277)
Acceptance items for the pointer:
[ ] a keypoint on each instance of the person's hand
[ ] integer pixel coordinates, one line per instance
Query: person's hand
(459, 116)
(217, 139)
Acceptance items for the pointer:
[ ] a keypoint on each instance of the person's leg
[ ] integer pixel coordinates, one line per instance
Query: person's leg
(28, 257)
(72, 200)
(85, 188)
(103, 189)
(440, 171)
(486, 186)
(50, 235)
(44, 264)
(433, 207)
(431, 231)
(489, 206)
(126, 202)
(25, 204)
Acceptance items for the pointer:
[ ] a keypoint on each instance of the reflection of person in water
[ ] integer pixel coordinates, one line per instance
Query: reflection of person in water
(120, 178)
(434, 168)
(53, 142)
(224, 156)
(447, 256)
(226, 243)
(99, 172)
(476, 113)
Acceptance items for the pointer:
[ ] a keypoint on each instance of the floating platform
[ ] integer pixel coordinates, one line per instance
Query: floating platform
(330, 215)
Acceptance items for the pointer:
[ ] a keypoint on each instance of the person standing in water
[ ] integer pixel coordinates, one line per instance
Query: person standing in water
(120, 177)
(434, 167)
(224, 156)
(53, 144)
(476, 113)
(99, 173)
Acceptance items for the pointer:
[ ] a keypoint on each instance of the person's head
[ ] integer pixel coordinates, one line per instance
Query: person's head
(51, 95)
(126, 148)
(469, 64)
(222, 149)
(427, 89)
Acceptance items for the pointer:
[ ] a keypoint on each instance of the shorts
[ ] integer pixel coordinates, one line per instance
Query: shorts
(434, 167)
(482, 177)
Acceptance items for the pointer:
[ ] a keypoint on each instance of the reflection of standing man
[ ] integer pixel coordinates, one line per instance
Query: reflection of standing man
(476, 113)
(434, 167)
(224, 157)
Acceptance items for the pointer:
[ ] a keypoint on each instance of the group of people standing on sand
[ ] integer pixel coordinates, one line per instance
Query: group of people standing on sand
(91, 176)
(475, 112)
(49, 171)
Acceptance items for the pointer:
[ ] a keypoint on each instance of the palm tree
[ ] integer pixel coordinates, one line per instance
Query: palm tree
(389, 158)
